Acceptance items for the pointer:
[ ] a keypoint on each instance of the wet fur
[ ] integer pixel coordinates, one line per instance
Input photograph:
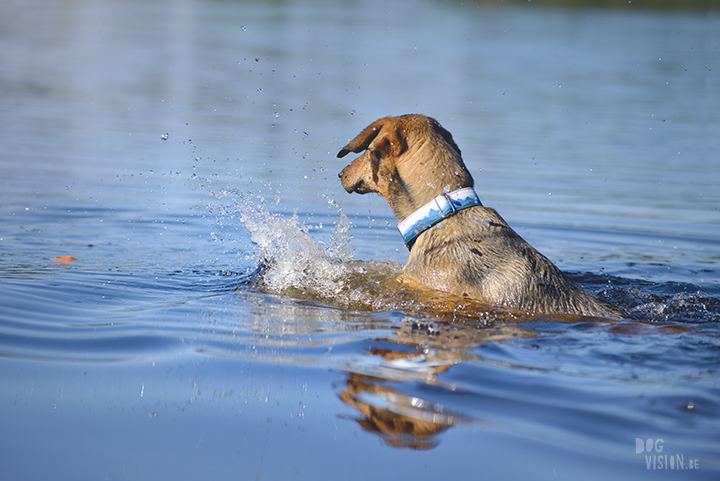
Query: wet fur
(473, 254)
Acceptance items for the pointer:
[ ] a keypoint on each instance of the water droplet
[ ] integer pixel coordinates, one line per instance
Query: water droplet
(164, 136)
(352, 112)
(486, 224)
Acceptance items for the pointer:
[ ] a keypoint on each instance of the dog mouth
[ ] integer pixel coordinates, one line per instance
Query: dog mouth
(357, 187)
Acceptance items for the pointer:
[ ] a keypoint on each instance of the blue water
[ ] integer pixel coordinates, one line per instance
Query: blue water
(174, 149)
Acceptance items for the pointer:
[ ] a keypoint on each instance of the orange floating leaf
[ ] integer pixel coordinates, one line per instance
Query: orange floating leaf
(64, 258)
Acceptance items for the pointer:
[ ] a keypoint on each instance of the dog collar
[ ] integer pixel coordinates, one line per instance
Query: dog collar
(442, 206)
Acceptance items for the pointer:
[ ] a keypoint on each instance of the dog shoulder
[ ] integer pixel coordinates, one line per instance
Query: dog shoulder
(479, 254)
(471, 246)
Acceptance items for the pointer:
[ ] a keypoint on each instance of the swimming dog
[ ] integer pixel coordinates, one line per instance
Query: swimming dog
(457, 245)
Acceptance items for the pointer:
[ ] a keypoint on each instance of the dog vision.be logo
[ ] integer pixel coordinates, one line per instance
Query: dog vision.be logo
(656, 459)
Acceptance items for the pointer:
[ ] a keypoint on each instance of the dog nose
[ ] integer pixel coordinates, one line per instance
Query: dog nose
(340, 174)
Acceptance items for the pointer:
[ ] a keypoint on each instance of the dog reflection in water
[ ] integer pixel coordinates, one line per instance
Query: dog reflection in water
(457, 245)
(420, 352)
(394, 416)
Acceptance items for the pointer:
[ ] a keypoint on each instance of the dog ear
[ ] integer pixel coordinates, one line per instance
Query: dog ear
(363, 140)
(391, 142)
(382, 136)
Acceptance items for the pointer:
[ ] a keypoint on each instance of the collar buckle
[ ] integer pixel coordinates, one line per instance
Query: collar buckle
(446, 205)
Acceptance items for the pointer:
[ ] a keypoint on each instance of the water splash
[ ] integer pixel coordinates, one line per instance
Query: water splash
(291, 261)
(683, 306)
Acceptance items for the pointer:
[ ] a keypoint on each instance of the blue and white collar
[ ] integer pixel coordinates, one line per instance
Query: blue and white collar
(442, 206)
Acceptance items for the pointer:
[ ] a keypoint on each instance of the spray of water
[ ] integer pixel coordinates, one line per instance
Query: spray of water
(294, 262)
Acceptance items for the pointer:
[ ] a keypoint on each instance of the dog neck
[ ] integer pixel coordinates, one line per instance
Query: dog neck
(442, 206)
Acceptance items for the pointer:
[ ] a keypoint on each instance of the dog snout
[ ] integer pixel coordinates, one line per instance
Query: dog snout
(343, 180)
(349, 187)
(350, 184)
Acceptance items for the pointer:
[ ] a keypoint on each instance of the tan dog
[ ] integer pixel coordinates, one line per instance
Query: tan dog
(456, 245)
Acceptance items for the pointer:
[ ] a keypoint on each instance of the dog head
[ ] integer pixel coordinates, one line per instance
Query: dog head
(408, 160)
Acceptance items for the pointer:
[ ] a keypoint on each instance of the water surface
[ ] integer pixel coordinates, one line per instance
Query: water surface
(232, 313)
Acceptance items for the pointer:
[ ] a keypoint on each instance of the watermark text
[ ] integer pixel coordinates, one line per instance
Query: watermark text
(657, 459)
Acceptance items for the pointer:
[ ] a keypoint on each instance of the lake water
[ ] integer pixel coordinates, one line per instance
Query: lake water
(171, 148)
